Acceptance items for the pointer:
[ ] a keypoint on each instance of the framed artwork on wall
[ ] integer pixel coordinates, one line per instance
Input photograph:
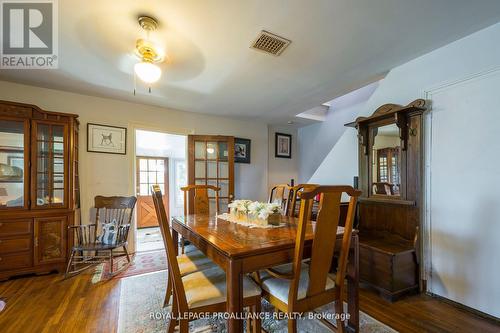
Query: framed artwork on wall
(242, 150)
(283, 145)
(106, 139)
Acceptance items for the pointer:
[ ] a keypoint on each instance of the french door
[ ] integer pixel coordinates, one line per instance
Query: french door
(211, 162)
(150, 171)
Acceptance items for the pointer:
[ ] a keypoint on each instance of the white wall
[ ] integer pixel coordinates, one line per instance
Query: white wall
(470, 56)
(108, 174)
(281, 170)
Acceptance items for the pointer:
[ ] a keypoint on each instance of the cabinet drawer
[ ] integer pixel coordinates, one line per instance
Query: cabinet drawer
(15, 245)
(15, 261)
(15, 227)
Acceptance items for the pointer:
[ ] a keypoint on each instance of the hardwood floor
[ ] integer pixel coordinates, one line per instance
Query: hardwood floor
(51, 304)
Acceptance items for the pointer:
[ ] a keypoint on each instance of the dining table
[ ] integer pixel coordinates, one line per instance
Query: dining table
(239, 249)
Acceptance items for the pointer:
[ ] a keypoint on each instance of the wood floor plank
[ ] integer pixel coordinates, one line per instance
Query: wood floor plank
(51, 304)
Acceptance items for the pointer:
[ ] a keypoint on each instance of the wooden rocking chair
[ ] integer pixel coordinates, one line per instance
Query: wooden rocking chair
(88, 251)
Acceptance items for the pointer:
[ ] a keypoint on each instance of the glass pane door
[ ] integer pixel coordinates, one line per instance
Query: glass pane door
(12, 164)
(212, 163)
(50, 166)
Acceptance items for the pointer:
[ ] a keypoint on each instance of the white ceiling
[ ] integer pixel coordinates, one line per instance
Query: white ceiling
(337, 46)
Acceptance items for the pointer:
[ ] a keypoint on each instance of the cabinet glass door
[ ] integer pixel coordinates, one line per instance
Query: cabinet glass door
(211, 162)
(50, 170)
(13, 163)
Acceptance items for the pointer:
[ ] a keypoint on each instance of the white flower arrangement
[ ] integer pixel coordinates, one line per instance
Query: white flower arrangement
(262, 210)
(240, 206)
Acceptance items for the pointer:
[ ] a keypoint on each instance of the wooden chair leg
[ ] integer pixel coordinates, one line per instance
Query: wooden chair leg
(339, 310)
(173, 321)
(126, 252)
(168, 292)
(292, 325)
(256, 324)
(111, 261)
(183, 326)
(69, 263)
(182, 245)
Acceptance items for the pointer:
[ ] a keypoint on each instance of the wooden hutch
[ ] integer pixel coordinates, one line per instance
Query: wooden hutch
(38, 188)
(390, 176)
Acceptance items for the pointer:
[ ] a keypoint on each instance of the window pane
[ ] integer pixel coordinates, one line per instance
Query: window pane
(199, 169)
(199, 149)
(58, 149)
(152, 165)
(143, 177)
(160, 165)
(152, 177)
(143, 164)
(223, 206)
(43, 132)
(211, 150)
(212, 169)
(223, 151)
(200, 182)
(224, 188)
(58, 197)
(160, 177)
(223, 170)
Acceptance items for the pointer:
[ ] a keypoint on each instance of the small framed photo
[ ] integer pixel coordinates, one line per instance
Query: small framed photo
(242, 150)
(106, 139)
(283, 145)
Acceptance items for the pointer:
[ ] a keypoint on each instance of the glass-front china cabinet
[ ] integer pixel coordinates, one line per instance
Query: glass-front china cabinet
(38, 188)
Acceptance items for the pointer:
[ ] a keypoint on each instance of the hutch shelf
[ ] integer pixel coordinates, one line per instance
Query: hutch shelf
(38, 188)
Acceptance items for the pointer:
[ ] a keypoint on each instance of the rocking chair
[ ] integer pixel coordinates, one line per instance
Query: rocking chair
(88, 250)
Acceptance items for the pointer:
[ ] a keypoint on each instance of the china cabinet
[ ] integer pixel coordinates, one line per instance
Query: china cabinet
(38, 188)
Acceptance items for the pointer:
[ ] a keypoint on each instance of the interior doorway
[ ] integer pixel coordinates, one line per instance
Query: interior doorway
(161, 160)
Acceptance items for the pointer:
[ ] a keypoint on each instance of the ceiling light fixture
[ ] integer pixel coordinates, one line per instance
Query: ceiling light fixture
(148, 53)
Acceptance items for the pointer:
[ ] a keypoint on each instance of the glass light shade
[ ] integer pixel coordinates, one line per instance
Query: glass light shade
(147, 72)
(210, 150)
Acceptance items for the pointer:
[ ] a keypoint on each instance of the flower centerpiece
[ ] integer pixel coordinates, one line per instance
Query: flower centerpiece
(239, 209)
(255, 212)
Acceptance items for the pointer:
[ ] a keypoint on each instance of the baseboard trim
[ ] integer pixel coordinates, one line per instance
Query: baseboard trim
(466, 308)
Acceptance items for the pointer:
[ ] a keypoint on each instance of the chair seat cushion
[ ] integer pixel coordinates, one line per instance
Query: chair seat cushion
(279, 288)
(193, 261)
(208, 287)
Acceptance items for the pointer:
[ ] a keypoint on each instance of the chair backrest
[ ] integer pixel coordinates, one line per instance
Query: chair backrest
(173, 266)
(280, 194)
(294, 196)
(201, 199)
(325, 236)
(119, 209)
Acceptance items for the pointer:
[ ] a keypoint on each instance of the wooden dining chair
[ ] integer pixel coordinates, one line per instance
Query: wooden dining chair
(188, 263)
(197, 201)
(294, 197)
(288, 287)
(280, 194)
(201, 291)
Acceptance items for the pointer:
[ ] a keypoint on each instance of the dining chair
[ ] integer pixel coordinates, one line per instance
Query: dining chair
(88, 250)
(201, 291)
(190, 262)
(280, 193)
(200, 201)
(288, 287)
(294, 197)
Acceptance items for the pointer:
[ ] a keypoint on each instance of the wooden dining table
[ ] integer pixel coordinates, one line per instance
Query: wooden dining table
(240, 249)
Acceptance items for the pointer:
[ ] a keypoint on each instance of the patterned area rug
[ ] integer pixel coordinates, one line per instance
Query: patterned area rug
(142, 262)
(141, 300)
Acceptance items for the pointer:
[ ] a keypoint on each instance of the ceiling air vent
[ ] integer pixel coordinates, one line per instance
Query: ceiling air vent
(270, 43)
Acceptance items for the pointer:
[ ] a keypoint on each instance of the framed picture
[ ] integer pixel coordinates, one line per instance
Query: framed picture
(242, 150)
(106, 139)
(283, 145)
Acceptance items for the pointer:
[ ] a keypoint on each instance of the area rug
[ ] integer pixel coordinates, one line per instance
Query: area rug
(141, 300)
(142, 262)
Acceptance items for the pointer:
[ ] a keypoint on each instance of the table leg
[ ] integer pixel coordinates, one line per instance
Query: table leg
(234, 281)
(353, 287)
(175, 239)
